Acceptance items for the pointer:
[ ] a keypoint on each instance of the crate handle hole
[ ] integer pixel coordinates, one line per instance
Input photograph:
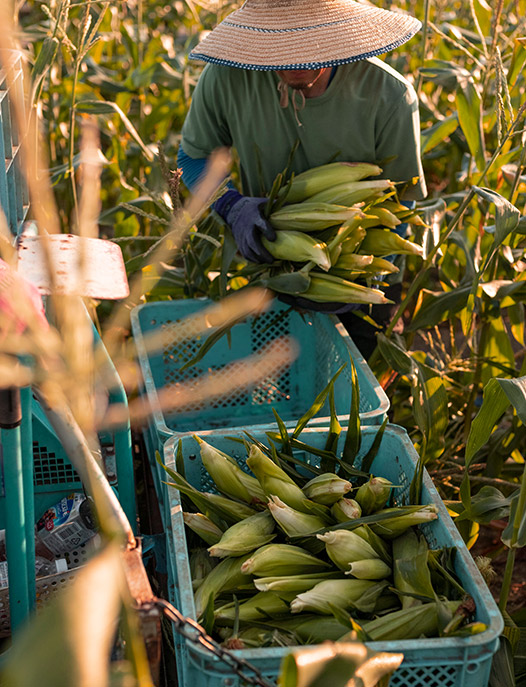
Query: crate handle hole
(193, 456)
(472, 667)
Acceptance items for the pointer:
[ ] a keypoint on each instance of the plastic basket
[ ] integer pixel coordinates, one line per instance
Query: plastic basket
(440, 662)
(324, 347)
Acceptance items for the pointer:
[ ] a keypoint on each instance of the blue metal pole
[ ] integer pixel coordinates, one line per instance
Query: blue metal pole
(29, 494)
(16, 549)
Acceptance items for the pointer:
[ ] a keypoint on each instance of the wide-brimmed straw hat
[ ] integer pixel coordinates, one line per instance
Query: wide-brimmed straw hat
(304, 34)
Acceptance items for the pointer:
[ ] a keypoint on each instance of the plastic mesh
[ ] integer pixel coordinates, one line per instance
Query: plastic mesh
(432, 676)
(50, 468)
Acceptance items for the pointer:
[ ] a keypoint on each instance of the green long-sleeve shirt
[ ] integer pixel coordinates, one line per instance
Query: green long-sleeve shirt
(369, 113)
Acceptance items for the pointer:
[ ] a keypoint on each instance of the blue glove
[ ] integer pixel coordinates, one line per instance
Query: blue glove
(332, 308)
(244, 216)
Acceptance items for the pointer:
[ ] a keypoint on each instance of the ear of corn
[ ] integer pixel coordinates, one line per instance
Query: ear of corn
(346, 509)
(323, 177)
(310, 216)
(376, 216)
(369, 569)
(282, 559)
(346, 594)
(200, 565)
(226, 575)
(328, 288)
(400, 522)
(297, 246)
(327, 488)
(275, 481)
(245, 536)
(383, 550)
(381, 242)
(374, 494)
(261, 605)
(228, 476)
(345, 547)
(294, 522)
(203, 526)
(410, 570)
(352, 192)
(314, 629)
(293, 583)
(212, 505)
(410, 623)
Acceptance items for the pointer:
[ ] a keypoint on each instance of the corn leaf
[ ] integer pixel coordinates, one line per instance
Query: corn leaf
(284, 435)
(469, 107)
(514, 535)
(497, 349)
(331, 445)
(317, 405)
(395, 356)
(371, 454)
(506, 214)
(354, 436)
(435, 135)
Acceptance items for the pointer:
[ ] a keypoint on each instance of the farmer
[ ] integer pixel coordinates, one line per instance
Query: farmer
(282, 71)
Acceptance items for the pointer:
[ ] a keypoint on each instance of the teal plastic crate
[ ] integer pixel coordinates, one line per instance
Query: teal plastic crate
(439, 662)
(324, 346)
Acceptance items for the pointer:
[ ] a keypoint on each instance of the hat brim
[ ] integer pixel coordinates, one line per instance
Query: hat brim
(353, 32)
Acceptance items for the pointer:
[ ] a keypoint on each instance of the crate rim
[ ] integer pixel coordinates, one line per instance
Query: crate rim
(162, 428)
(483, 639)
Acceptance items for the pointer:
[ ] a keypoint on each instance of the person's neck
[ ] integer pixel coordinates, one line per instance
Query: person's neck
(320, 85)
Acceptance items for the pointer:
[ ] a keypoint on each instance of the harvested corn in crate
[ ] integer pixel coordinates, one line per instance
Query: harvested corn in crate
(301, 575)
(183, 358)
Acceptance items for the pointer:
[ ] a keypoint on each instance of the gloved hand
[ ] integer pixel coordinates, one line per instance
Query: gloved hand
(330, 307)
(245, 217)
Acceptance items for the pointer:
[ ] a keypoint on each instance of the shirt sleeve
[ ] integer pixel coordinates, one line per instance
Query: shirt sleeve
(398, 143)
(205, 127)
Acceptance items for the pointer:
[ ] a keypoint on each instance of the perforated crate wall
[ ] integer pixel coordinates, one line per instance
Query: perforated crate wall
(324, 348)
(439, 662)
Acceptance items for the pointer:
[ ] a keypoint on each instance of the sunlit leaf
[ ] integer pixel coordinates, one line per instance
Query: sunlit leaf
(469, 108)
(437, 134)
(494, 404)
(434, 307)
(433, 401)
(497, 349)
(394, 355)
(506, 214)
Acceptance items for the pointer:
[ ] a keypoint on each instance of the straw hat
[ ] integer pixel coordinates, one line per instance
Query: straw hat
(304, 34)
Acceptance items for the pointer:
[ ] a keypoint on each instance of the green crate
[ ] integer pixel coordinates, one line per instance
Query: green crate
(440, 662)
(324, 346)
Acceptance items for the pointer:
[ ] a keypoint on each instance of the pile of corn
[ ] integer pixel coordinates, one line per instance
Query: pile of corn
(281, 557)
(333, 227)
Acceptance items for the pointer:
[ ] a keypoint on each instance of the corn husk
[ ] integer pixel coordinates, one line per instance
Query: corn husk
(410, 623)
(382, 242)
(410, 569)
(226, 575)
(260, 606)
(400, 523)
(200, 565)
(292, 521)
(282, 559)
(369, 569)
(297, 246)
(353, 192)
(245, 536)
(325, 288)
(314, 629)
(228, 476)
(309, 217)
(203, 526)
(345, 547)
(374, 494)
(346, 509)
(326, 488)
(319, 178)
(275, 481)
(293, 583)
(345, 594)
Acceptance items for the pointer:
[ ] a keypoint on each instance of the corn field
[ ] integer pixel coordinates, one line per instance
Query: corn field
(111, 82)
